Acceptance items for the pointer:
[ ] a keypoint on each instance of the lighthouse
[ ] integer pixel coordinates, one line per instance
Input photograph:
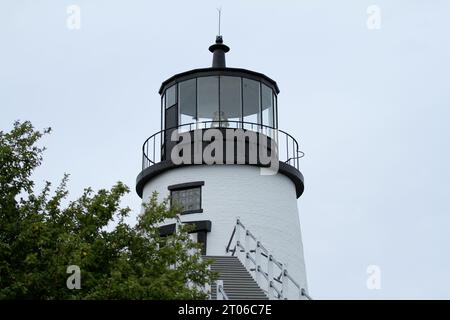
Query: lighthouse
(223, 158)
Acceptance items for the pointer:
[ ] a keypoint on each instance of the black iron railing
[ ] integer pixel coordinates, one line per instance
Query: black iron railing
(287, 147)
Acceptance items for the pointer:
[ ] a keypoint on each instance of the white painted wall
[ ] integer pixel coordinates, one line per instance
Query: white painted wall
(266, 205)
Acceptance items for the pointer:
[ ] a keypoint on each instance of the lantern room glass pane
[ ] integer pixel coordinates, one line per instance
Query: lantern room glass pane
(171, 97)
(267, 105)
(251, 97)
(208, 99)
(187, 102)
(230, 101)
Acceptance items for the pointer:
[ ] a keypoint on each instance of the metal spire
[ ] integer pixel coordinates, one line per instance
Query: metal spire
(220, 15)
(219, 49)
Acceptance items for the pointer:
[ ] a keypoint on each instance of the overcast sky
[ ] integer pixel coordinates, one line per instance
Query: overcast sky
(370, 108)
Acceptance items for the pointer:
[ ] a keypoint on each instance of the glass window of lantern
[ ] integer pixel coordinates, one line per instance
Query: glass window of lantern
(187, 199)
(171, 97)
(230, 101)
(251, 97)
(267, 105)
(187, 102)
(208, 100)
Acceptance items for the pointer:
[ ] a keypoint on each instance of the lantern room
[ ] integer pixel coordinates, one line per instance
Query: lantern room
(219, 97)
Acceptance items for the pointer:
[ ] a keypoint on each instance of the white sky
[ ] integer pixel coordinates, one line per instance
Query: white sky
(371, 109)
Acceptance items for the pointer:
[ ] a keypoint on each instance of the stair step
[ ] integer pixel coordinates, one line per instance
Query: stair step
(228, 265)
(246, 297)
(245, 284)
(238, 283)
(235, 275)
(248, 294)
(245, 288)
(236, 265)
(225, 265)
(232, 272)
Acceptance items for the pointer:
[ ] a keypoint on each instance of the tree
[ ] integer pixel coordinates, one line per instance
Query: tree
(41, 240)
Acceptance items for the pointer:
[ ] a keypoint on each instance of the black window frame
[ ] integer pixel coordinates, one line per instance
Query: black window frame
(187, 186)
(201, 228)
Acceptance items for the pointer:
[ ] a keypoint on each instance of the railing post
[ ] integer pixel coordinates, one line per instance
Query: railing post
(238, 237)
(154, 149)
(219, 295)
(287, 148)
(258, 262)
(293, 151)
(284, 282)
(269, 275)
(304, 294)
(247, 249)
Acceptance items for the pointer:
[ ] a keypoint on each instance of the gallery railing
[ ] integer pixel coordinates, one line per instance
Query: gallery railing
(287, 147)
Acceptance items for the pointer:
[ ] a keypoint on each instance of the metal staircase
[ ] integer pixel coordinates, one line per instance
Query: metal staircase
(238, 284)
(250, 271)
(251, 277)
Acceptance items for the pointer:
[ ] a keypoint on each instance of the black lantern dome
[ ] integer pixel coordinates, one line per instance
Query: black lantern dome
(232, 96)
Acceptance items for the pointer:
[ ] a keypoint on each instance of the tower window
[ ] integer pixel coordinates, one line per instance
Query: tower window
(188, 196)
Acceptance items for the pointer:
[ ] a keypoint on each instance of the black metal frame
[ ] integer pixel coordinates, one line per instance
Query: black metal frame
(238, 72)
(201, 228)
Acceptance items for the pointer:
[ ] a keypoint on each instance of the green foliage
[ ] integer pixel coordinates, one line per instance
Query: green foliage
(40, 238)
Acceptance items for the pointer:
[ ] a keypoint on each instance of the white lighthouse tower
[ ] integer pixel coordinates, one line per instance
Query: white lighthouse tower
(243, 207)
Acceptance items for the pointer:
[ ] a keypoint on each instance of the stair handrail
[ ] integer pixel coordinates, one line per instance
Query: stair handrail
(220, 291)
(306, 295)
(259, 251)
